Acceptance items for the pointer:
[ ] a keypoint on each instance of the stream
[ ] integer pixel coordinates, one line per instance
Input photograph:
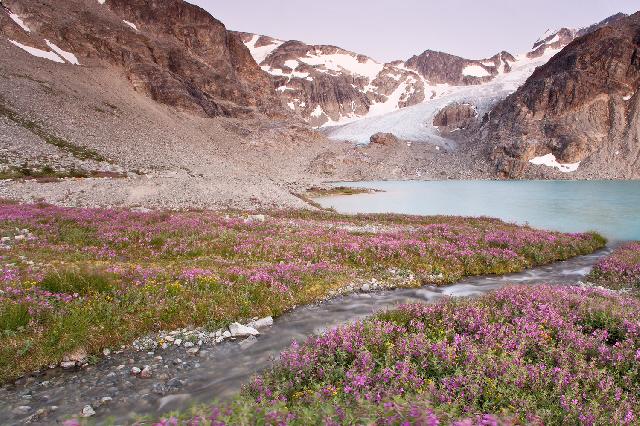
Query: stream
(180, 379)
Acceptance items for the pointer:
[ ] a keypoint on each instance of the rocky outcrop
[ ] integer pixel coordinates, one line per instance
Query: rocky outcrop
(455, 116)
(582, 106)
(385, 139)
(443, 68)
(170, 50)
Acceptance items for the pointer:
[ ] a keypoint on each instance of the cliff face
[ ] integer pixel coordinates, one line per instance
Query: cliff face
(170, 50)
(582, 106)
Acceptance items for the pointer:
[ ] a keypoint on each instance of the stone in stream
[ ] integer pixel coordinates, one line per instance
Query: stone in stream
(88, 411)
(135, 371)
(175, 383)
(22, 409)
(248, 342)
(238, 330)
(261, 323)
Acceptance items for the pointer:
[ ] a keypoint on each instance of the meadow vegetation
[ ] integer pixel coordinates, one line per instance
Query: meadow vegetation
(87, 279)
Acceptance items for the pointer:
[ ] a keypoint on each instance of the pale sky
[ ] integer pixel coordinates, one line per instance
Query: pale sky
(388, 30)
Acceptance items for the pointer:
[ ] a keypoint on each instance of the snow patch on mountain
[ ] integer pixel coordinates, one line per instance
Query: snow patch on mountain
(339, 62)
(70, 57)
(19, 21)
(549, 160)
(131, 24)
(475, 71)
(38, 53)
(259, 54)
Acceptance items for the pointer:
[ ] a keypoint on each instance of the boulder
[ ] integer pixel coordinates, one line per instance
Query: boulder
(385, 139)
(261, 323)
(238, 330)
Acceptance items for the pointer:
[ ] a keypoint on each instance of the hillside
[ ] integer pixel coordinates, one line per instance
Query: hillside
(578, 112)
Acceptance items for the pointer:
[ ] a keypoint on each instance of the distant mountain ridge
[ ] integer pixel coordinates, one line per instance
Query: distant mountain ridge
(328, 85)
(331, 86)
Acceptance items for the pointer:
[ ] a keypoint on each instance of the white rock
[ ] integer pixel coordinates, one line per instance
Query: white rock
(68, 364)
(88, 411)
(188, 345)
(19, 237)
(135, 371)
(177, 342)
(106, 352)
(239, 330)
(261, 323)
(366, 287)
(226, 334)
(193, 351)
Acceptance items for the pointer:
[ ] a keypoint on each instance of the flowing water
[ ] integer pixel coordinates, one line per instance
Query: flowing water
(221, 370)
(609, 207)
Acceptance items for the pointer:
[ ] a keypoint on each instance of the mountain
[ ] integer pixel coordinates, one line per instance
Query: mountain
(464, 88)
(329, 86)
(464, 105)
(157, 104)
(579, 112)
(172, 51)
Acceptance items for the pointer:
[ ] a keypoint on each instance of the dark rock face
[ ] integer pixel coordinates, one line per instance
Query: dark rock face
(455, 116)
(386, 139)
(583, 102)
(440, 67)
(178, 54)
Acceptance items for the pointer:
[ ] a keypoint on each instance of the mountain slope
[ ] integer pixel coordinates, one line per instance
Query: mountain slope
(580, 109)
(170, 50)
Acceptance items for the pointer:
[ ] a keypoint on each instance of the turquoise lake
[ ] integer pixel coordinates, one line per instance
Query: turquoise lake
(611, 208)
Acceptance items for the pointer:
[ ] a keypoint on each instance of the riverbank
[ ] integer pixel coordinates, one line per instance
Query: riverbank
(78, 281)
(620, 270)
(520, 355)
(180, 379)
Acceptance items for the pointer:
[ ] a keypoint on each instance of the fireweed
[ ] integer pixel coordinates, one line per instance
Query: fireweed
(94, 278)
(520, 355)
(621, 269)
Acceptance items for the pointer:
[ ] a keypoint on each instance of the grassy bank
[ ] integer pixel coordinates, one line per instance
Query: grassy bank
(520, 355)
(619, 270)
(80, 280)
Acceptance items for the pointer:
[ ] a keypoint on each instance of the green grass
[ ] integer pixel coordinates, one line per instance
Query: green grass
(81, 282)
